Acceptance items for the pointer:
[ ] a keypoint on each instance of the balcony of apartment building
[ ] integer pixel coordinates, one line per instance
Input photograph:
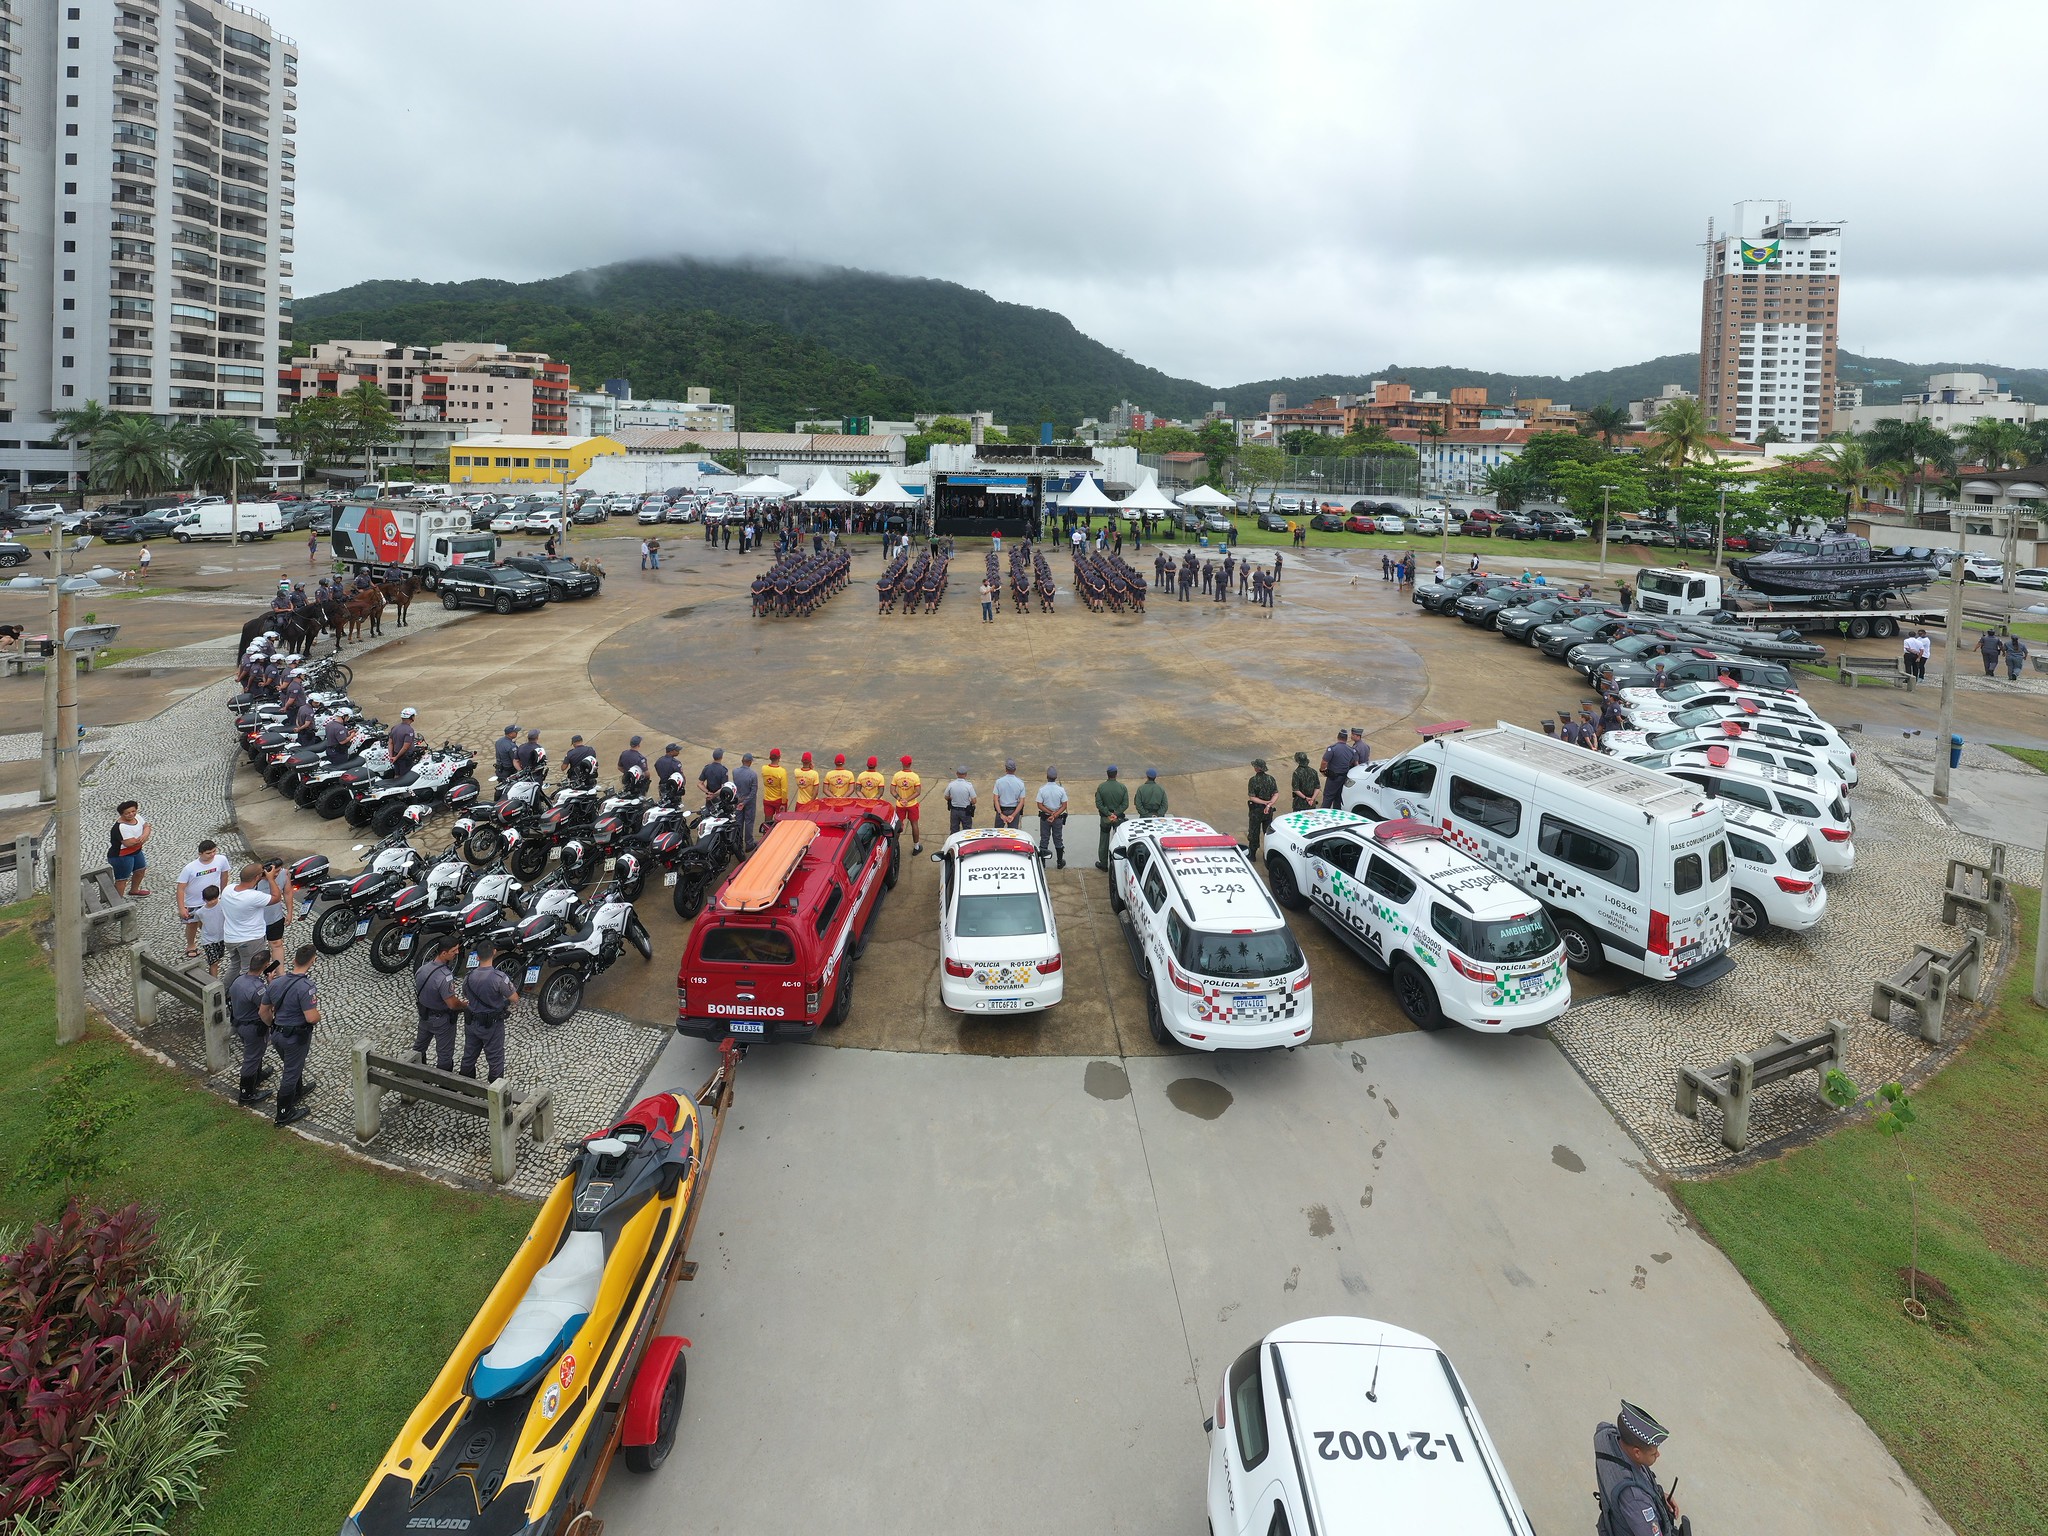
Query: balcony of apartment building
(134, 136)
(239, 298)
(188, 399)
(139, 55)
(136, 81)
(235, 170)
(241, 246)
(196, 43)
(243, 144)
(129, 368)
(136, 25)
(131, 309)
(132, 198)
(191, 370)
(192, 264)
(195, 98)
(203, 239)
(132, 282)
(192, 346)
(129, 397)
(127, 340)
(130, 111)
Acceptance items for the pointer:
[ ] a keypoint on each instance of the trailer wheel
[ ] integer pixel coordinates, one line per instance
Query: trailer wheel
(1859, 628)
(1884, 628)
(669, 1416)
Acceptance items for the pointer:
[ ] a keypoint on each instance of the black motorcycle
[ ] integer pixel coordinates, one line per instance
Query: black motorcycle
(598, 940)
(346, 908)
(693, 856)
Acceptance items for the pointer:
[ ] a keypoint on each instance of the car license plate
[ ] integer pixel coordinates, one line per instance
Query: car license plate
(532, 974)
(362, 926)
(669, 878)
(1249, 999)
(471, 962)
(999, 1004)
(746, 1027)
(404, 942)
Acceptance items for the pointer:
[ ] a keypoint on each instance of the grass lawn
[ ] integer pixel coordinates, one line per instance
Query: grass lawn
(2033, 757)
(363, 1279)
(1961, 1400)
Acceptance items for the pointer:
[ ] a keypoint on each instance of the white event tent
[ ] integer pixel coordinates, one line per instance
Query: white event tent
(1204, 496)
(1086, 497)
(888, 491)
(1146, 498)
(766, 485)
(825, 489)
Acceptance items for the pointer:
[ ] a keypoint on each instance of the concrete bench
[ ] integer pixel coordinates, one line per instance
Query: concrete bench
(505, 1110)
(107, 911)
(1978, 888)
(18, 859)
(152, 980)
(1734, 1083)
(1925, 982)
(1853, 671)
(13, 663)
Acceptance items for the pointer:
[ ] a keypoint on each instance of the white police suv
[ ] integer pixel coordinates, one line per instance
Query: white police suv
(999, 950)
(1461, 944)
(1774, 873)
(1221, 970)
(1341, 1426)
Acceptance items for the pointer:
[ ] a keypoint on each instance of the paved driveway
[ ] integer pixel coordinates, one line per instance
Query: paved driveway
(942, 1292)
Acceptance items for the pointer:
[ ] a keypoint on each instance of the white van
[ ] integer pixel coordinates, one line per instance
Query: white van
(1631, 864)
(1341, 1426)
(222, 520)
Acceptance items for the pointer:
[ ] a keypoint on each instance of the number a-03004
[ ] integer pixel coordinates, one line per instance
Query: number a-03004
(1371, 1445)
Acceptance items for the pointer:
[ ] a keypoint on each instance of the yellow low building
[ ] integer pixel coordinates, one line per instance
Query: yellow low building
(518, 458)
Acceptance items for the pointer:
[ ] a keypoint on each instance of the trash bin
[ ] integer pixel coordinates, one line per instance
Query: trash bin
(1955, 751)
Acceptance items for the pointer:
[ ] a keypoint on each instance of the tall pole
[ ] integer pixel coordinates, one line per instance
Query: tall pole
(1606, 491)
(1721, 527)
(1949, 654)
(49, 783)
(2041, 954)
(234, 501)
(66, 890)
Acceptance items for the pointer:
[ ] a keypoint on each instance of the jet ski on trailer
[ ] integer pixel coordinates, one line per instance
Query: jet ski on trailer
(562, 1368)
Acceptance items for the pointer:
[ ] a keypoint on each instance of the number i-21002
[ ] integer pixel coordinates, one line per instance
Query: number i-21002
(1332, 1444)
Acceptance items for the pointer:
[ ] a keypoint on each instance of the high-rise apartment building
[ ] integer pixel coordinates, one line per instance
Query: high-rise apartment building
(146, 209)
(1768, 323)
(458, 381)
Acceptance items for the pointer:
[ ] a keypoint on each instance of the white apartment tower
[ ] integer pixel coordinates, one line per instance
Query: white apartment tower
(1768, 324)
(146, 208)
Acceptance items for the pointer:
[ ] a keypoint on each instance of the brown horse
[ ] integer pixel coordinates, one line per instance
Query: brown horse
(365, 608)
(398, 592)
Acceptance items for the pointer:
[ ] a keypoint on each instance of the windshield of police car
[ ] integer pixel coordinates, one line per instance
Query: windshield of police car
(1236, 956)
(1009, 915)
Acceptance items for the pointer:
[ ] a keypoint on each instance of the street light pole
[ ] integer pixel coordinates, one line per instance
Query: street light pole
(1606, 491)
(1949, 651)
(52, 628)
(1721, 527)
(67, 891)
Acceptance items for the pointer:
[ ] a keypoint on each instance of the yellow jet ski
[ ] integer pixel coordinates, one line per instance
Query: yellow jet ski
(562, 1367)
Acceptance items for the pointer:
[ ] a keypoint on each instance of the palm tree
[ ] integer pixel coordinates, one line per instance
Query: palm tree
(81, 424)
(1916, 444)
(1683, 433)
(1606, 422)
(135, 456)
(367, 419)
(1507, 483)
(1994, 444)
(1849, 469)
(219, 452)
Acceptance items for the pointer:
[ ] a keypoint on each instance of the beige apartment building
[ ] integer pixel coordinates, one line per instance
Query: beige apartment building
(1769, 318)
(457, 381)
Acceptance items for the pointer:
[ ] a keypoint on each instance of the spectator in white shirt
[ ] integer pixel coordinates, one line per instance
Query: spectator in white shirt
(246, 905)
(210, 868)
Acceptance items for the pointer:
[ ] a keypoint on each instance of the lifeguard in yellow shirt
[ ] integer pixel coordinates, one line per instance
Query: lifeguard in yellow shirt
(839, 779)
(905, 789)
(806, 783)
(774, 788)
(870, 784)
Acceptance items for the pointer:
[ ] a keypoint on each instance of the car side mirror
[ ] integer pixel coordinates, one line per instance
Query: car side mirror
(938, 858)
(1119, 853)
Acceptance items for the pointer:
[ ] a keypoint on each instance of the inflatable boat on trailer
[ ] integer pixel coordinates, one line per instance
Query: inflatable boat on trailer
(563, 1368)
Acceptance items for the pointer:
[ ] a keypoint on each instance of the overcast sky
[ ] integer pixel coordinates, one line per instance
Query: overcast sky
(1228, 192)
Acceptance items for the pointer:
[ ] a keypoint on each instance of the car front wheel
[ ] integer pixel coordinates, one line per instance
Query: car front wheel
(1280, 880)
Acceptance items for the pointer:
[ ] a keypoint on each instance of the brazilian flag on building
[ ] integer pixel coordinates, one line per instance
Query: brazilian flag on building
(1760, 254)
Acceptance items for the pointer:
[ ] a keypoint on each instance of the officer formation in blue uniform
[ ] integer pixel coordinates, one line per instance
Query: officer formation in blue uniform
(1108, 581)
(919, 585)
(797, 585)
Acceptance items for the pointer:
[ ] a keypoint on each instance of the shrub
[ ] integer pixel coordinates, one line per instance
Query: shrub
(123, 1355)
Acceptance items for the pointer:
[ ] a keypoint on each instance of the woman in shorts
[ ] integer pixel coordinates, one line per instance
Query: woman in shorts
(124, 849)
(279, 913)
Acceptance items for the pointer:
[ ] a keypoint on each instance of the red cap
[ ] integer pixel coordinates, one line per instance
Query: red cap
(873, 763)
(839, 761)
(906, 759)
(774, 753)
(807, 757)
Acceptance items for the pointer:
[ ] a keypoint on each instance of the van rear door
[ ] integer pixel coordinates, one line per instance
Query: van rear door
(1689, 928)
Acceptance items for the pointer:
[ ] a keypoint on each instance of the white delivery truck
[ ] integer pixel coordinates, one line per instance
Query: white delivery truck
(410, 536)
(221, 520)
(1632, 865)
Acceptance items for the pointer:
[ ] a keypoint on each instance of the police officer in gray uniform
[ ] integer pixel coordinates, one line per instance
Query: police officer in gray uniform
(506, 753)
(245, 1014)
(1010, 791)
(491, 996)
(1338, 761)
(746, 783)
(294, 1008)
(435, 996)
(1631, 1502)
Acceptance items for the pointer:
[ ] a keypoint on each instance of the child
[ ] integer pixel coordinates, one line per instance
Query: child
(211, 921)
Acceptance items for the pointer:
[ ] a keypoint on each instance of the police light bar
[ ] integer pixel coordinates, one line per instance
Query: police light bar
(1731, 728)
(1405, 829)
(1727, 682)
(1209, 840)
(997, 845)
(1718, 756)
(1703, 655)
(1747, 706)
(1443, 728)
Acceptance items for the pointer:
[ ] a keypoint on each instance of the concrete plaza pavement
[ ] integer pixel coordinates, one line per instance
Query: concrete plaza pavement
(957, 1292)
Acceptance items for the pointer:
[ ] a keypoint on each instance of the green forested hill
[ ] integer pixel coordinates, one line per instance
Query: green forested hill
(958, 348)
(779, 376)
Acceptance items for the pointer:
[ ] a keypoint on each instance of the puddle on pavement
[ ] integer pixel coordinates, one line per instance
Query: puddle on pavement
(681, 613)
(1567, 1159)
(1106, 1080)
(1199, 1097)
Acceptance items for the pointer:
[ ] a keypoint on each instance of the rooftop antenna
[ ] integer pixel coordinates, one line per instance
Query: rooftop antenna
(1372, 1392)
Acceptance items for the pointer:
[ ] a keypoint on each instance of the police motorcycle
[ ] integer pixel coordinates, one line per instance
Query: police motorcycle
(377, 801)
(262, 731)
(537, 920)
(491, 832)
(589, 951)
(612, 836)
(574, 811)
(285, 761)
(695, 853)
(345, 908)
(445, 904)
(308, 783)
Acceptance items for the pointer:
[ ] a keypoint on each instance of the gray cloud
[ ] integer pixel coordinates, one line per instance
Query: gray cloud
(1225, 191)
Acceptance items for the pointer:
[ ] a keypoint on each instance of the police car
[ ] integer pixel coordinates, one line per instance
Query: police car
(1816, 802)
(1774, 874)
(1741, 747)
(1342, 1424)
(1815, 738)
(1221, 970)
(999, 949)
(1651, 704)
(1461, 944)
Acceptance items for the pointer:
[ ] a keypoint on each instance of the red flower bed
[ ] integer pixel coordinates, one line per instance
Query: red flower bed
(79, 1330)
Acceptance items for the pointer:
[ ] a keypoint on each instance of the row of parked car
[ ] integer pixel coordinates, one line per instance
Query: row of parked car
(1730, 723)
